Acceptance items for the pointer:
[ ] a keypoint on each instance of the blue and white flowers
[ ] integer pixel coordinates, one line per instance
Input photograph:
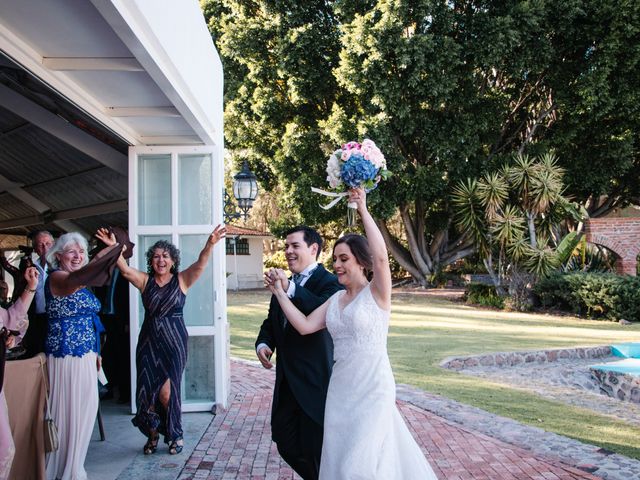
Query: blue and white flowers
(354, 165)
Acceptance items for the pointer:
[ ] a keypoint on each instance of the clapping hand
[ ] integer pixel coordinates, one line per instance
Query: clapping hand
(276, 280)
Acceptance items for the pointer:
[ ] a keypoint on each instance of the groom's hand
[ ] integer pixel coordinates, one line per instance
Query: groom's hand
(264, 355)
(268, 280)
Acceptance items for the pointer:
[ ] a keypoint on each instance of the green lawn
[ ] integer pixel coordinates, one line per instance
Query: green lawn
(425, 330)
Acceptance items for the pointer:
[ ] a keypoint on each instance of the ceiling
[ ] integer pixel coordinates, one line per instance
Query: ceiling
(45, 181)
(78, 86)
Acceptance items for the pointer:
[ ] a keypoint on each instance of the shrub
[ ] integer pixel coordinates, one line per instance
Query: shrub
(594, 295)
(277, 260)
(483, 294)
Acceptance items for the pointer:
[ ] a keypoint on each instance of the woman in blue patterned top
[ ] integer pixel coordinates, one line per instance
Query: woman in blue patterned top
(72, 347)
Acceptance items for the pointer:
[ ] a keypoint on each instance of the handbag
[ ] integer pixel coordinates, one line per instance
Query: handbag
(51, 442)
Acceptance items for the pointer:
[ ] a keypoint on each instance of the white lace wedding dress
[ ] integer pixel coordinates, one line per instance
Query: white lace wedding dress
(364, 435)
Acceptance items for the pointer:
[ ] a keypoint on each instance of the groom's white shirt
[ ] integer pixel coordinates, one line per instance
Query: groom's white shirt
(305, 274)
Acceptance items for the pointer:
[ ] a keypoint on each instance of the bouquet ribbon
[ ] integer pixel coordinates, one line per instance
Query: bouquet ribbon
(330, 194)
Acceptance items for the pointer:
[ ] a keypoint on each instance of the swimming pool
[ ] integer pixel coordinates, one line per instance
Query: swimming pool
(621, 378)
(629, 366)
(626, 350)
(630, 363)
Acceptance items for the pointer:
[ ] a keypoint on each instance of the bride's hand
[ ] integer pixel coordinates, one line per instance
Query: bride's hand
(359, 197)
(273, 281)
(281, 278)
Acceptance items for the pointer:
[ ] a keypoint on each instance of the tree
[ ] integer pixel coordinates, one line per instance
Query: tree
(448, 90)
(514, 217)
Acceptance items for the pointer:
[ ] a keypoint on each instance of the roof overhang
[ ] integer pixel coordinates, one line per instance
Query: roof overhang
(82, 81)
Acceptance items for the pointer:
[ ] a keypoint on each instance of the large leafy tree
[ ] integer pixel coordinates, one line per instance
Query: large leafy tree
(448, 90)
(279, 58)
(596, 98)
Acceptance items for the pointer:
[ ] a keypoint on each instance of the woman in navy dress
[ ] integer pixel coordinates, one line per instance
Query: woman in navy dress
(161, 354)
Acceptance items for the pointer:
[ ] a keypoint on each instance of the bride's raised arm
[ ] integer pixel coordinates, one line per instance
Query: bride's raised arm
(381, 283)
(304, 324)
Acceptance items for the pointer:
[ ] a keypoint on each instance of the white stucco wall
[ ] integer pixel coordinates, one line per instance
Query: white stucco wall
(248, 273)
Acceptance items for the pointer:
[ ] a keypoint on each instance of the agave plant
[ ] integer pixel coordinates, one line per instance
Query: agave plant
(513, 215)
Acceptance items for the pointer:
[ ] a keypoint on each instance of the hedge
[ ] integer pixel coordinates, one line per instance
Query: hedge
(594, 295)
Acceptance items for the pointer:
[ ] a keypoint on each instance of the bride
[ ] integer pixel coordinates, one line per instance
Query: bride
(364, 435)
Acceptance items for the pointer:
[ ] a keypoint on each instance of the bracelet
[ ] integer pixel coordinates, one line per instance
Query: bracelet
(31, 291)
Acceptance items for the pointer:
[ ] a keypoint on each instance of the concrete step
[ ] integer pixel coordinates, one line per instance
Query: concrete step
(629, 366)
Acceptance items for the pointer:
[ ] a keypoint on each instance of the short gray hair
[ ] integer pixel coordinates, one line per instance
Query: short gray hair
(35, 235)
(63, 242)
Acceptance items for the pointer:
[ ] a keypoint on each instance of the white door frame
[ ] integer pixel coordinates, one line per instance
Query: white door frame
(220, 329)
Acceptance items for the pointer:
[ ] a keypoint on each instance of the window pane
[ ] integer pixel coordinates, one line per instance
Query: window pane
(154, 189)
(199, 376)
(198, 309)
(237, 246)
(194, 195)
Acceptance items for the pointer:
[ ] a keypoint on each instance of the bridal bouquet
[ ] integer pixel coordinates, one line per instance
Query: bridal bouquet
(354, 165)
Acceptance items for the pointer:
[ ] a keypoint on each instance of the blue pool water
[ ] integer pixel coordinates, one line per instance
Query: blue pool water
(626, 350)
(630, 363)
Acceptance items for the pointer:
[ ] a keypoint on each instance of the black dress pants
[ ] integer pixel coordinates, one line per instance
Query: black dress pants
(297, 435)
(36, 335)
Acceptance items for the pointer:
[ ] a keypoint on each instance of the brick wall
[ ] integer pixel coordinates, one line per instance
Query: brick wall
(620, 235)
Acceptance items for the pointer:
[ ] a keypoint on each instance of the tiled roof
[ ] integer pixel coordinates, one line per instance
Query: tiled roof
(245, 232)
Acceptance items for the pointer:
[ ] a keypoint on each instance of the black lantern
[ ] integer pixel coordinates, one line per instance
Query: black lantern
(245, 190)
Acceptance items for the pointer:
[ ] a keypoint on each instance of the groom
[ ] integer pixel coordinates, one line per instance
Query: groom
(304, 363)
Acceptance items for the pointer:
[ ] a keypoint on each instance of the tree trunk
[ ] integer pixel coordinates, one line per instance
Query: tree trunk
(401, 254)
(532, 229)
(488, 264)
(422, 263)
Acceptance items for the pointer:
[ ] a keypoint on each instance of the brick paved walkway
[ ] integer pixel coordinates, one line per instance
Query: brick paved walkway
(237, 444)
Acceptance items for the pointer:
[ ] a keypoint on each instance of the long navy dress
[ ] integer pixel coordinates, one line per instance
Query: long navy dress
(161, 354)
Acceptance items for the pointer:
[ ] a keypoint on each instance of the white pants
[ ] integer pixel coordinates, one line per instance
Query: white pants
(7, 449)
(74, 406)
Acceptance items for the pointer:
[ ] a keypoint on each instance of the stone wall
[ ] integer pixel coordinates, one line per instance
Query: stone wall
(618, 385)
(613, 384)
(507, 359)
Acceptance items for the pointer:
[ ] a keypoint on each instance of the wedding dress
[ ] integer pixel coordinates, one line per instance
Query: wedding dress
(364, 435)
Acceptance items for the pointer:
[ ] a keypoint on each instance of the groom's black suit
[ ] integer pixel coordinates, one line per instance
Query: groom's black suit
(303, 368)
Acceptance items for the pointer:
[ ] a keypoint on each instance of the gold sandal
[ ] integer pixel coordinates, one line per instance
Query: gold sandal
(152, 445)
(176, 446)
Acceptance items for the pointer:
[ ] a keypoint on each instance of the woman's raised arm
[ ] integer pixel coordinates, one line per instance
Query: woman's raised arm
(189, 276)
(381, 283)
(135, 277)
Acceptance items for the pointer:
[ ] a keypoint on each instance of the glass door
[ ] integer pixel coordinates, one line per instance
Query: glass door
(175, 194)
